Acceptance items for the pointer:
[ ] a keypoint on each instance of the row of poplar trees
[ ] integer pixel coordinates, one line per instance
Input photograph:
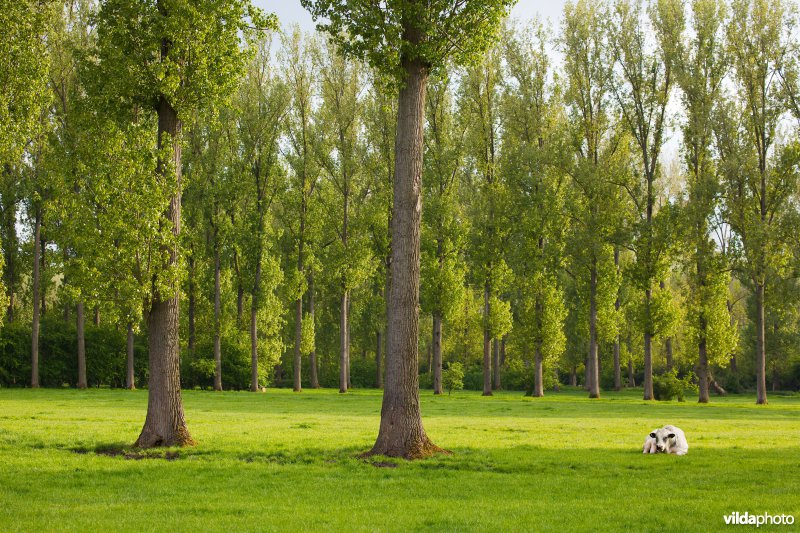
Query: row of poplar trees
(196, 173)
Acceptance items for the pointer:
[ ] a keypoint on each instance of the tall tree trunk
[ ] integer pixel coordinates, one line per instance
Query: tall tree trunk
(130, 380)
(761, 354)
(378, 360)
(192, 305)
(297, 366)
(573, 377)
(96, 315)
(217, 317)
(165, 424)
(594, 370)
(496, 364)
(648, 347)
(538, 376)
(437, 352)
(631, 375)
(617, 369)
(81, 346)
(702, 368)
(254, 330)
(344, 345)
(313, 355)
(401, 432)
(503, 351)
(487, 344)
(37, 228)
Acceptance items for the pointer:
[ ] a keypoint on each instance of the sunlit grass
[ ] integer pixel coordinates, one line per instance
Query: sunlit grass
(281, 460)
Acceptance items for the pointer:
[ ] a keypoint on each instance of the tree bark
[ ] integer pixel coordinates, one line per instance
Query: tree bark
(617, 369)
(631, 375)
(648, 346)
(96, 315)
(538, 381)
(487, 344)
(378, 360)
(130, 380)
(594, 371)
(217, 317)
(401, 432)
(192, 305)
(761, 354)
(37, 229)
(702, 365)
(573, 377)
(165, 424)
(437, 352)
(81, 347)
(344, 346)
(496, 364)
(313, 374)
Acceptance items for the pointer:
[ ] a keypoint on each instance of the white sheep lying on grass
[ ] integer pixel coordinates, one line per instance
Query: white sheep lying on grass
(668, 439)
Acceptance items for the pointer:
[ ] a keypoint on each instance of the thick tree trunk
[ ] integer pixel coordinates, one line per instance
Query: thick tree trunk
(573, 376)
(761, 354)
(37, 228)
(81, 347)
(217, 318)
(437, 352)
(378, 360)
(165, 424)
(130, 380)
(313, 375)
(648, 346)
(538, 381)
(344, 345)
(401, 433)
(487, 344)
(594, 370)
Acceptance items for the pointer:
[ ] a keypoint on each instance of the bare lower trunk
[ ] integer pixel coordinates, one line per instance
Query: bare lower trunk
(437, 352)
(631, 375)
(617, 368)
(81, 346)
(344, 345)
(487, 344)
(761, 355)
(378, 360)
(496, 364)
(130, 380)
(253, 348)
(594, 370)
(702, 365)
(538, 381)
(192, 307)
(648, 354)
(297, 370)
(165, 424)
(313, 375)
(37, 229)
(401, 433)
(573, 377)
(217, 322)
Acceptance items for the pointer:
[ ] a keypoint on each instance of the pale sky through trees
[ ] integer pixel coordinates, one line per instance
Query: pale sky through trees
(290, 11)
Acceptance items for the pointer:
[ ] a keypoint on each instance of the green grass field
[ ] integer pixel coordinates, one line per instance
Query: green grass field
(281, 460)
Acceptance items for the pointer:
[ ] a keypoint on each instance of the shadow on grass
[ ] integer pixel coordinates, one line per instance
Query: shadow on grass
(126, 451)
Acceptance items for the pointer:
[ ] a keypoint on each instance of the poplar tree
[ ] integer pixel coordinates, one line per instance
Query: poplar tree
(178, 56)
(761, 174)
(645, 56)
(408, 38)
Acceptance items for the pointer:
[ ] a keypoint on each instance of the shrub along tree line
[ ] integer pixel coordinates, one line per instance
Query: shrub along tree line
(406, 188)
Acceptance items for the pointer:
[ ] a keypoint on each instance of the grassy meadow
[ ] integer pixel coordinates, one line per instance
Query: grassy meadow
(281, 460)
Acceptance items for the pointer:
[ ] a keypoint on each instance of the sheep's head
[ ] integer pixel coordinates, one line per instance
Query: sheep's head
(665, 440)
